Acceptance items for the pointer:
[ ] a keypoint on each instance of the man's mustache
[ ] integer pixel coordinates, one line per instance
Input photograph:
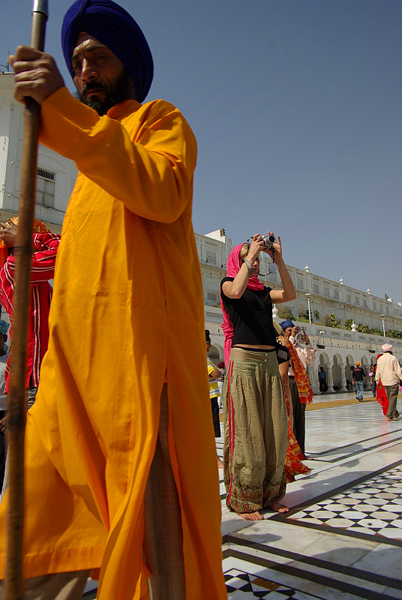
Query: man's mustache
(93, 85)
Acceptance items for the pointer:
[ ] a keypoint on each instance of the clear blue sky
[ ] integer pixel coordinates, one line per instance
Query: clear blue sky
(296, 105)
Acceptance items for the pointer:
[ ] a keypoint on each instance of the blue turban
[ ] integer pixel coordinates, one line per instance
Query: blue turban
(110, 24)
(286, 324)
(4, 327)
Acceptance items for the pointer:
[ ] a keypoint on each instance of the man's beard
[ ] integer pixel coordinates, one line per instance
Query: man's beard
(121, 90)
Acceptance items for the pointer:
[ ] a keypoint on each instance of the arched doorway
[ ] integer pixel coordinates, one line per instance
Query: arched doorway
(218, 353)
(366, 366)
(214, 355)
(337, 373)
(323, 361)
(348, 372)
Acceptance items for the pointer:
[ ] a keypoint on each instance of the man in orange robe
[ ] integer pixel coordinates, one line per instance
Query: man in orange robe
(121, 477)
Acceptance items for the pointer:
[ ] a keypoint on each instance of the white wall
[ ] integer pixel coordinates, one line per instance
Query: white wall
(11, 144)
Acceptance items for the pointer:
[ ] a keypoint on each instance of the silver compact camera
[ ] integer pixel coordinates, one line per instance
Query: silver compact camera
(269, 241)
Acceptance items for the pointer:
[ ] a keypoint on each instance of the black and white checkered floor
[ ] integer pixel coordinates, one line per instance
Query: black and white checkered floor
(373, 507)
(241, 585)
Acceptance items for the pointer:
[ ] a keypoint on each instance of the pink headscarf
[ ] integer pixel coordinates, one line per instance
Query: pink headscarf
(232, 268)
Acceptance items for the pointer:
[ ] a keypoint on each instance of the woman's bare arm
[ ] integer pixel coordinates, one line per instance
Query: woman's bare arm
(288, 292)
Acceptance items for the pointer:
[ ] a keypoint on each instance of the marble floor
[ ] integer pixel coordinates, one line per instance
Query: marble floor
(342, 538)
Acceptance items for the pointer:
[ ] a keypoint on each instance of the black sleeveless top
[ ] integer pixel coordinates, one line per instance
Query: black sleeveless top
(251, 317)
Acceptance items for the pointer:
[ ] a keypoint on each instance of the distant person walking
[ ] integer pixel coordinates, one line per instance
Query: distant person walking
(390, 374)
(358, 375)
(381, 395)
(322, 377)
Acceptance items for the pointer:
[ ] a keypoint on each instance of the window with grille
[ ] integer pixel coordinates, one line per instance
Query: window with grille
(211, 257)
(45, 188)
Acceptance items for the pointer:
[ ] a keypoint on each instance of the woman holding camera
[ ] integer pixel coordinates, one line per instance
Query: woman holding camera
(254, 408)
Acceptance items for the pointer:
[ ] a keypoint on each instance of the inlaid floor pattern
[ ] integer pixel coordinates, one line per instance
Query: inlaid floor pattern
(372, 507)
(241, 585)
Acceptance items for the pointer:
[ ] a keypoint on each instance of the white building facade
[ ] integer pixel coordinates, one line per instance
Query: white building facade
(55, 175)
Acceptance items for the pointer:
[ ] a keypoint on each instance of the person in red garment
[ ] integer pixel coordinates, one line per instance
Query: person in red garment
(45, 246)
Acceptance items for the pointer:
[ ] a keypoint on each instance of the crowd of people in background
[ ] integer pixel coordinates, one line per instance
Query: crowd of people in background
(250, 401)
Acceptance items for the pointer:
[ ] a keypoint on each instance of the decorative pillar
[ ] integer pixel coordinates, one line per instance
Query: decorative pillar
(312, 373)
(343, 378)
(330, 379)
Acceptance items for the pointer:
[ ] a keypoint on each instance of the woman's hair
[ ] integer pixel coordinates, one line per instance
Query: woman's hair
(244, 251)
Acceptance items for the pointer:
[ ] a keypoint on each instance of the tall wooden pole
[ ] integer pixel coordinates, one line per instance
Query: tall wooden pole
(16, 409)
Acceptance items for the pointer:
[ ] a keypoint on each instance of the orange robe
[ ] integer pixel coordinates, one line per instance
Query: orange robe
(127, 312)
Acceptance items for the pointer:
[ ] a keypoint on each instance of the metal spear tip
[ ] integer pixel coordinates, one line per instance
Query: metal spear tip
(41, 6)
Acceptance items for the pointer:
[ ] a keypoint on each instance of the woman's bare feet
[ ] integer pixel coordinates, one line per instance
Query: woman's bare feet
(278, 507)
(220, 463)
(254, 516)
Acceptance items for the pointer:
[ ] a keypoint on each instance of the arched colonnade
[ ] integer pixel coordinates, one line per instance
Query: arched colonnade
(338, 366)
(339, 370)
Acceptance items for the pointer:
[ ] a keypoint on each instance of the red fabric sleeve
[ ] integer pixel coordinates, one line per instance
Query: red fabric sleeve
(45, 247)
